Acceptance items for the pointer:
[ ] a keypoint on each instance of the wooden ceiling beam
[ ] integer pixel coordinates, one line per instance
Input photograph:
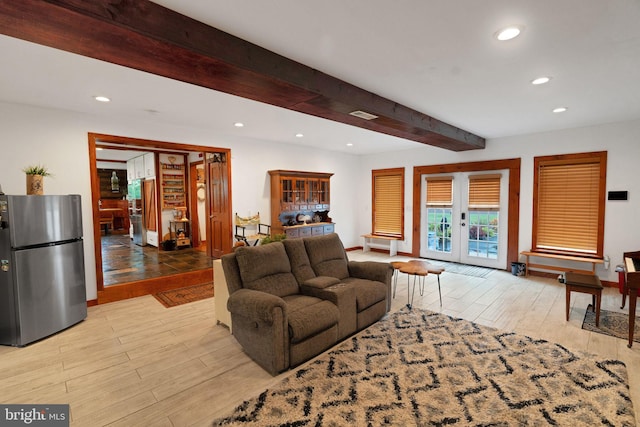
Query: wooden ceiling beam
(145, 36)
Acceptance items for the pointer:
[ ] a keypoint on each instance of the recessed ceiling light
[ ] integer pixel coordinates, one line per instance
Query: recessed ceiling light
(299, 135)
(540, 80)
(508, 33)
(100, 98)
(238, 124)
(560, 110)
(349, 144)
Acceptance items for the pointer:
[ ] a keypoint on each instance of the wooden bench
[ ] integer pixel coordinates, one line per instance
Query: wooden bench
(592, 261)
(391, 243)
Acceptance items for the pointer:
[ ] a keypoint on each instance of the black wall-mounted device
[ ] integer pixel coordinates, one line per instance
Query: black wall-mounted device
(617, 195)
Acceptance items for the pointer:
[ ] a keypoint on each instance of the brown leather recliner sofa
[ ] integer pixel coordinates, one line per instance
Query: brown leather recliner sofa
(291, 300)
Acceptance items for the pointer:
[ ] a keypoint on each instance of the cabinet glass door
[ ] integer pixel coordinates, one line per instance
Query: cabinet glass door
(323, 194)
(314, 191)
(299, 194)
(287, 190)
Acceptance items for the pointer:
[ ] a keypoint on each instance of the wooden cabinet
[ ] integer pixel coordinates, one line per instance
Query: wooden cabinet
(300, 203)
(172, 185)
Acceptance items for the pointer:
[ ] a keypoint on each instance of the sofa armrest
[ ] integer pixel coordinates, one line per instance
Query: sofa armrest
(321, 282)
(344, 297)
(371, 270)
(256, 305)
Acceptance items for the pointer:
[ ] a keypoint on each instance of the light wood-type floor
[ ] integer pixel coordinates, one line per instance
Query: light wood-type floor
(135, 362)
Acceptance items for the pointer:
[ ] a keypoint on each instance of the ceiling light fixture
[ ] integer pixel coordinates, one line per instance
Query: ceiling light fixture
(299, 135)
(508, 33)
(560, 109)
(540, 80)
(349, 144)
(238, 124)
(101, 98)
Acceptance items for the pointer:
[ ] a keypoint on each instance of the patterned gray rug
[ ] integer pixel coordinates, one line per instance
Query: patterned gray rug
(611, 323)
(418, 368)
(457, 268)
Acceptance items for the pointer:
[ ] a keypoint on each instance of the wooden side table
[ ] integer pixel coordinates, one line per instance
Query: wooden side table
(585, 283)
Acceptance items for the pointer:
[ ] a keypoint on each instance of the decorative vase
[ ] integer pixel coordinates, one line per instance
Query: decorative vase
(35, 186)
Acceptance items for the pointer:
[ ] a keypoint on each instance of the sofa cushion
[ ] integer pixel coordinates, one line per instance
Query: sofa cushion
(368, 292)
(309, 316)
(327, 256)
(266, 268)
(300, 265)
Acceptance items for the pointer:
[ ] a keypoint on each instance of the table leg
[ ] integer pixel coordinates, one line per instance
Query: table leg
(396, 273)
(568, 301)
(413, 291)
(633, 296)
(598, 299)
(439, 291)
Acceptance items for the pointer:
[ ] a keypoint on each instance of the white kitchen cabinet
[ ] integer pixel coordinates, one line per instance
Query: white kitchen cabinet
(149, 161)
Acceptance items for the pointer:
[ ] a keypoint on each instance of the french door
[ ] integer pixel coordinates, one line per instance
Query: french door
(464, 217)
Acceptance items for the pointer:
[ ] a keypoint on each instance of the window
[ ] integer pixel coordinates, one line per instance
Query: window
(439, 213)
(484, 207)
(568, 203)
(388, 202)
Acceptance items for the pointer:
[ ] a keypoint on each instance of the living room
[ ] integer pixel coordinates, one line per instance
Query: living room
(56, 135)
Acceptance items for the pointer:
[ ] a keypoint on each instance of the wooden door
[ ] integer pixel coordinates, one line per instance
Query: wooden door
(150, 204)
(219, 230)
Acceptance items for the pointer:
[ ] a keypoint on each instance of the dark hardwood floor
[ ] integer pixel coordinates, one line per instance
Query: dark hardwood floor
(123, 261)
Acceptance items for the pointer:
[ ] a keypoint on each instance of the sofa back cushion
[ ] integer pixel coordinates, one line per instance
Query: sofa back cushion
(300, 264)
(327, 256)
(266, 268)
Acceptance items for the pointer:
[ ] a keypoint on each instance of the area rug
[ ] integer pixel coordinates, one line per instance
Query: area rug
(422, 368)
(611, 323)
(181, 296)
(467, 270)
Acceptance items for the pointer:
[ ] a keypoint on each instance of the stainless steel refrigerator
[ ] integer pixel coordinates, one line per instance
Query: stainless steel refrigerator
(42, 283)
(136, 211)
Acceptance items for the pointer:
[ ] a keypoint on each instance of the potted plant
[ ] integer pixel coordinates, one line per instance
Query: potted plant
(274, 238)
(35, 175)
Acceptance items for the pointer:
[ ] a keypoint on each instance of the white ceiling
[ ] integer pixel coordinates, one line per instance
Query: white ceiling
(438, 57)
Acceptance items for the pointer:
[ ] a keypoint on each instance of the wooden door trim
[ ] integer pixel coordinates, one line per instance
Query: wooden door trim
(513, 226)
(95, 139)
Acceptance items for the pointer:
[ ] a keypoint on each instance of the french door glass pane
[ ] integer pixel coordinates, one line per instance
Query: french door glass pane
(439, 235)
(483, 234)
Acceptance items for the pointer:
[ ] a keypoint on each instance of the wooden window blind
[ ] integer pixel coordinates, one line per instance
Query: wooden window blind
(569, 203)
(484, 191)
(388, 202)
(439, 191)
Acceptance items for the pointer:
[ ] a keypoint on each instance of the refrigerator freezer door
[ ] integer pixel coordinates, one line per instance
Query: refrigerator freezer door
(36, 220)
(49, 290)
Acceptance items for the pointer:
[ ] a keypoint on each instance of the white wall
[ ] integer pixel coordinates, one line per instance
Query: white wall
(620, 140)
(58, 139)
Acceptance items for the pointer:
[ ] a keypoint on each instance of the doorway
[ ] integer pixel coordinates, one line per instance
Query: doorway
(465, 217)
(511, 186)
(178, 280)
